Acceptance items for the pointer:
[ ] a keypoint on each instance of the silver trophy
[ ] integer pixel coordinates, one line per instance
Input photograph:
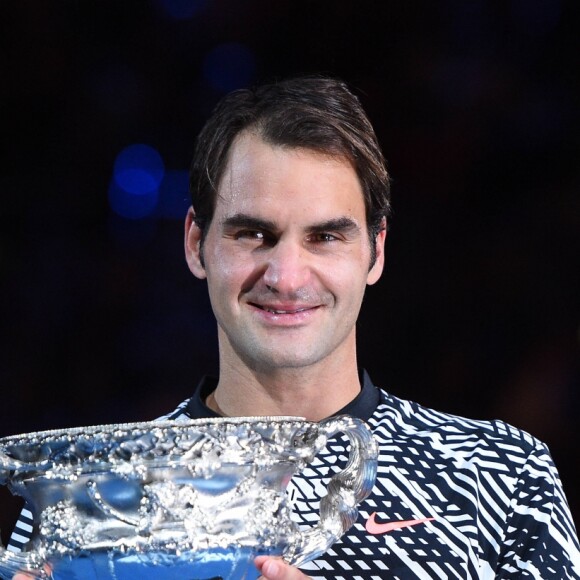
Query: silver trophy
(193, 500)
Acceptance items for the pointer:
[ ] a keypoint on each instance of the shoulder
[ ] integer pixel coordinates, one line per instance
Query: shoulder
(180, 413)
(405, 419)
(407, 416)
(499, 477)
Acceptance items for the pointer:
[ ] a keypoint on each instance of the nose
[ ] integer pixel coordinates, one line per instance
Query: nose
(287, 267)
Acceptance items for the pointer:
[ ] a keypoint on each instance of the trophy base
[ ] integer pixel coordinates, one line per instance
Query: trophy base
(211, 564)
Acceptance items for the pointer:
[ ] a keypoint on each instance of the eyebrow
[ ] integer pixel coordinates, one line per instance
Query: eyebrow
(343, 224)
(242, 220)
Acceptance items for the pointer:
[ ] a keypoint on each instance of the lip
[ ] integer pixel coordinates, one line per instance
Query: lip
(284, 314)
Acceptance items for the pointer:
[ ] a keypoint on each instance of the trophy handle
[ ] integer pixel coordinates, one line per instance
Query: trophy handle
(13, 562)
(338, 509)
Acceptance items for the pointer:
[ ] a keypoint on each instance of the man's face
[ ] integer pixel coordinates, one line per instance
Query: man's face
(286, 256)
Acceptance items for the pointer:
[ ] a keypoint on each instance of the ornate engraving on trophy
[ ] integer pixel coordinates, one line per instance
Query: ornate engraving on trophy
(201, 498)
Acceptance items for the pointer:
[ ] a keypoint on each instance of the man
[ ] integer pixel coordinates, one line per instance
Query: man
(290, 198)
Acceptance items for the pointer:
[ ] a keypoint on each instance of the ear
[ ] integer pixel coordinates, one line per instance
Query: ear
(192, 240)
(377, 269)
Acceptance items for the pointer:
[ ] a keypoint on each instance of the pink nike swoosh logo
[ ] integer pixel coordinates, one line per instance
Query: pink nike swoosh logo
(375, 528)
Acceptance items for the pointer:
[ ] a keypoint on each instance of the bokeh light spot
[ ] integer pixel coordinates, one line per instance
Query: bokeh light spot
(138, 169)
(229, 66)
(130, 205)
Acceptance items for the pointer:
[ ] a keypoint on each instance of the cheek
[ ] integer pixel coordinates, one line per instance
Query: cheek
(229, 272)
(346, 280)
(221, 262)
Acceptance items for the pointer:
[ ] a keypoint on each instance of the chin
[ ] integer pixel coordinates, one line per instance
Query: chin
(282, 360)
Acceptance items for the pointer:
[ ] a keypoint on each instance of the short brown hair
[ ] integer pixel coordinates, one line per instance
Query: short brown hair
(314, 112)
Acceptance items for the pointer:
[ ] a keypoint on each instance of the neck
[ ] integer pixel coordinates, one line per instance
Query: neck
(314, 392)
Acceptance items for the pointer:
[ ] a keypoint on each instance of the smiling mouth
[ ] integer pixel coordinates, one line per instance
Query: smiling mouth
(280, 311)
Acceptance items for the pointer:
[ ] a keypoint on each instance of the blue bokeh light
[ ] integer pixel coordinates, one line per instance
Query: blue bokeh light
(130, 205)
(138, 169)
(229, 66)
(142, 188)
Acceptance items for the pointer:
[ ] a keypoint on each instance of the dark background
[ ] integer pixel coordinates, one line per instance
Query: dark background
(476, 106)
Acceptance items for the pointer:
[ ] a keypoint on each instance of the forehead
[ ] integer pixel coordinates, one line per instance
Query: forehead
(260, 177)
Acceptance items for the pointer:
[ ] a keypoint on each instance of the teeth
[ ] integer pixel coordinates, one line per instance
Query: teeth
(285, 311)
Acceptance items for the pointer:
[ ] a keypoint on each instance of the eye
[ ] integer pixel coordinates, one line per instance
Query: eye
(258, 238)
(250, 235)
(322, 237)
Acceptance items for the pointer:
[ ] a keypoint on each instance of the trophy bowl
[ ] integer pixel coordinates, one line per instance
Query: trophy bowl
(197, 499)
